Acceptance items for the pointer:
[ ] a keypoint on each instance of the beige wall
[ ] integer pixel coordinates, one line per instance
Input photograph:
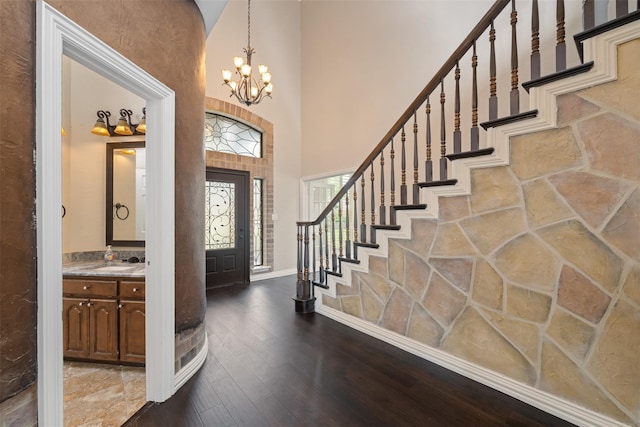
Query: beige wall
(84, 165)
(275, 35)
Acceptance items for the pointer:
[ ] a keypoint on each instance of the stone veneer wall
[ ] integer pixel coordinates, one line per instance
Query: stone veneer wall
(257, 168)
(536, 274)
(188, 344)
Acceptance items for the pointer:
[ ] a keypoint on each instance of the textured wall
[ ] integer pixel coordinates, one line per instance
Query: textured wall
(536, 274)
(169, 43)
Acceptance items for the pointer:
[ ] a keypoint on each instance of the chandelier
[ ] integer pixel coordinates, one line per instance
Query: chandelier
(247, 88)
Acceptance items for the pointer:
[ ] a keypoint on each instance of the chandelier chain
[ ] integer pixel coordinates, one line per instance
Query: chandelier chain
(249, 24)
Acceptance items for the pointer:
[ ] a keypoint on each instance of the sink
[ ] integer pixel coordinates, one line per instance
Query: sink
(114, 268)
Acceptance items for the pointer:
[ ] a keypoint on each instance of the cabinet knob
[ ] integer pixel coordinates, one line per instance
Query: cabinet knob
(120, 305)
(135, 289)
(80, 304)
(86, 287)
(89, 304)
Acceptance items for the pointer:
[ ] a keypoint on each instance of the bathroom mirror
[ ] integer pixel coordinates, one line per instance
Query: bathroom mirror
(125, 194)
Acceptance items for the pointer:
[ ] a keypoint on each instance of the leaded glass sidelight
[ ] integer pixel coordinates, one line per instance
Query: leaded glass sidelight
(257, 222)
(220, 215)
(227, 135)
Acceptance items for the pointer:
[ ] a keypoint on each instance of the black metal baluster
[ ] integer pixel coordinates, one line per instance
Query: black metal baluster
(372, 238)
(355, 219)
(305, 275)
(383, 209)
(403, 169)
(340, 247)
(347, 243)
(443, 135)
(321, 253)
(493, 98)
(299, 290)
(428, 163)
(515, 92)
(363, 219)
(475, 132)
(326, 242)
(334, 258)
(313, 253)
(457, 135)
(622, 8)
(561, 47)
(535, 41)
(416, 189)
(392, 211)
(588, 14)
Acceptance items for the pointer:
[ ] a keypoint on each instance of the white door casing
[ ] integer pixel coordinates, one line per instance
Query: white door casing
(56, 35)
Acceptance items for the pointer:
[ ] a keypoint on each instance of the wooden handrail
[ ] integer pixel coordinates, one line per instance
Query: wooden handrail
(466, 44)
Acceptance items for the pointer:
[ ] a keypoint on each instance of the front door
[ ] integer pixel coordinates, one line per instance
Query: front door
(226, 225)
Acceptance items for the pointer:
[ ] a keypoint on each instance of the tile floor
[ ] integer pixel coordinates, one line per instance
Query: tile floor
(101, 395)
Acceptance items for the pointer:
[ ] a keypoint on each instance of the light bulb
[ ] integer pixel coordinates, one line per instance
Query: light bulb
(254, 91)
(268, 88)
(226, 75)
(238, 61)
(245, 70)
(266, 78)
(233, 85)
(263, 69)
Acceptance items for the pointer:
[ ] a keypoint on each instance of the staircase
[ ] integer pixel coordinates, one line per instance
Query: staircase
(511, 256)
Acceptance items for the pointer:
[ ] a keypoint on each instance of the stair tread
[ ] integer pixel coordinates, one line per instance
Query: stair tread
(582, 68)
(509, 119)
(469, 154)
(333, 273)
(349, 260)
(320, 285)
(385, 227)
(410, 207)
(367, 245)
(438, 183)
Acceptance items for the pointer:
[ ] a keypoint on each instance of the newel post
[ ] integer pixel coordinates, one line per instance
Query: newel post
(304, 300)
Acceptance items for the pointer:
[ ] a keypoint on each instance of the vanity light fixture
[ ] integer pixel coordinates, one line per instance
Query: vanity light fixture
(124, 126)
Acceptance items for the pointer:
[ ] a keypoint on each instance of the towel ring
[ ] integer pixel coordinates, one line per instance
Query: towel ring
(117, 214)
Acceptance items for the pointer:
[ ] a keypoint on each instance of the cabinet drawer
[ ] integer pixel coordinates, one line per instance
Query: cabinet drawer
(132, 290)
(90, 288)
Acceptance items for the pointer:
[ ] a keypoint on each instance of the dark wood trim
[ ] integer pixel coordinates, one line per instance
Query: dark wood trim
(410, 207)
(439, 183)
(573, 71)
(469, 154)
(603, 28)
(509, 119)
(110, 147)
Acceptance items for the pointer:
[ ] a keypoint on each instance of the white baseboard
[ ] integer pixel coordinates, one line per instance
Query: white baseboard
(547, 402)
(184, 374)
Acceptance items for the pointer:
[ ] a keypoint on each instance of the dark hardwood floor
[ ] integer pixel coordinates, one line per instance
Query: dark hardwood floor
(268, 366)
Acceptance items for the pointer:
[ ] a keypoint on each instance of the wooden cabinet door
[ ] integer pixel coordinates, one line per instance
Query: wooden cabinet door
(103, 333)
(75, 322)
(132, 331)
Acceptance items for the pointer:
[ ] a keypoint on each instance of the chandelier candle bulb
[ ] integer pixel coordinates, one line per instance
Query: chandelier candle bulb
(245, 70)
(247, 89)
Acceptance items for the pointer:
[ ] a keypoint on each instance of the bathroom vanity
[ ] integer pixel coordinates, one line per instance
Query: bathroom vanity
(104, 312)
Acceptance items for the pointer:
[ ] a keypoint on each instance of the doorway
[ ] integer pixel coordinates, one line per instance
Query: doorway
(57, 35)
(227, 227)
